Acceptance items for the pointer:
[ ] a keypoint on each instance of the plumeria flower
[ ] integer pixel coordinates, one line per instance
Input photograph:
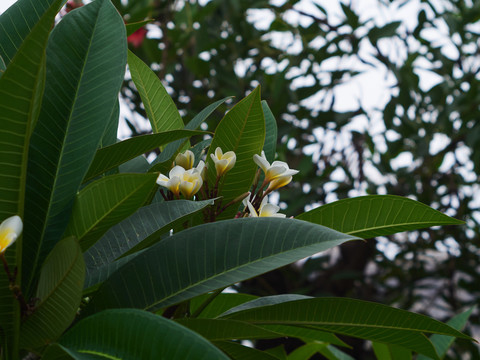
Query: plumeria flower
(185, 160)
(172, 182)
(202, 169)
(266, 209)
(10, 230)
(278, 169)
(223, 162)
(187, 182)
(191, 183)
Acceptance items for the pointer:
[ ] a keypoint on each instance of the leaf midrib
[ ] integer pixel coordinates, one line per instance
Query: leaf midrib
(62, 150)
(262, 259)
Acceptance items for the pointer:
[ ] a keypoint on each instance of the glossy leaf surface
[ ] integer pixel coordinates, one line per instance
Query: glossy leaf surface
(80, 92)
(21, 89)
(377, 215)
(356, 318)
(128, 334)
(208, 257)
(143, 227)
(159, 106)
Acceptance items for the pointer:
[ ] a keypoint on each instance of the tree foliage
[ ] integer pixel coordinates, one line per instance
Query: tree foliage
(107, 261)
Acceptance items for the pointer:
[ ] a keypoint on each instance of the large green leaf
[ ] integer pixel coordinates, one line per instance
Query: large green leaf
(59, 292)
(208, 257)
(80, 92)
(105, 202)
(111, 156)
(139, 230)
(17, 22)
(242, 130)
(356, 318)
(376, 215)
(21, 89)
(134, 334)
(443, 342)
(159, 106)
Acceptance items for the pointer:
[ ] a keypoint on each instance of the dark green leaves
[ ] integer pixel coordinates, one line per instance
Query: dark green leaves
(59, 293)
(86, 58)
(133, 334)
(356, 318)
(208, 257)
(105, 202)
(376, 215)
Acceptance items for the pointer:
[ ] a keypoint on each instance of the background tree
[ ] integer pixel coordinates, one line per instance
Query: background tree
(420, 142)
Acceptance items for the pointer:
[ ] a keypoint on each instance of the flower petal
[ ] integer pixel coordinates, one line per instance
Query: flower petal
(10, 230)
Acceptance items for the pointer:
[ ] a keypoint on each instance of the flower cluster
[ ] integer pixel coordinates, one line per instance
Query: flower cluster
(187, 180)
(184, 178)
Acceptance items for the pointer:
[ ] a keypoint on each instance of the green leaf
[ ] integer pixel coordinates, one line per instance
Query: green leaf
(264, 301)
(242, 130)
(105, 202)
(18, 21)
(21, 89)
(139, 230)
(128, 334)
(391, 352)
(221, 329)
(159, 106)
(376, 215)
(80, 92)
(111, 156)
(59, 292)
(362, 319)
(307, 351)
(208, 257)
(132, 27)
(239, 352)
(271, 133)
(389, 30)
(220, 304)
(443, 342)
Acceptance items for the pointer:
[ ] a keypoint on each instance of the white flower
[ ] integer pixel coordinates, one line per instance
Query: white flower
(187, 182)
(223, 162)
(172, 182)
(10, 230)
(266, 209)
(202, 169)
(191, 183)
(185, 160)
(278, 174)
